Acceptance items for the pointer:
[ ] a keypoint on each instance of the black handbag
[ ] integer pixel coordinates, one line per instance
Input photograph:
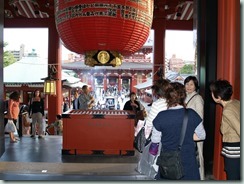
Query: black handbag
(140, 140)
(169, 162)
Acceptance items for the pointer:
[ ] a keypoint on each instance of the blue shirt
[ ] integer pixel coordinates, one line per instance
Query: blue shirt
(169, 122)
(76, 103)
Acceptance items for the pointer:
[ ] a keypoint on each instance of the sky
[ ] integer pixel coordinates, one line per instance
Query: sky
(177, 42)
(32, 39)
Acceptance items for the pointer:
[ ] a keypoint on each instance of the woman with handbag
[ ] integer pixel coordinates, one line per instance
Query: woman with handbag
(158, 105)
(158, 90)
(147, 163)
(194, 101)
(169, 123)
(13, 114)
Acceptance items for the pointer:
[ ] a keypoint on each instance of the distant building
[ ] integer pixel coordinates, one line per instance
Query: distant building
(18, 54)
(175, 64)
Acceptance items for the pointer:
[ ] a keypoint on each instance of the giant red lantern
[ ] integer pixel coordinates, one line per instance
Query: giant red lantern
(103, 29)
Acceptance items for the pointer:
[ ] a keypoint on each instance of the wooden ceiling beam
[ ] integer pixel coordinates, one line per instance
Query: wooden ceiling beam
(184, 25)
(27, 23)
(48, 6)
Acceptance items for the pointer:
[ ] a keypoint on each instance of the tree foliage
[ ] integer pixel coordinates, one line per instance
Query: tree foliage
(187, 69)
(8, 57)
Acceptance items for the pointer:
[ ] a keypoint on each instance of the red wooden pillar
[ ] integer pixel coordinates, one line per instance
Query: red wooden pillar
(2, 91)
(228, 67)
(159, 46)
(70, 100)
(46, 102)
(54, 58)
(133, 82)
(105, 83)
(119, 83)
(90, 81)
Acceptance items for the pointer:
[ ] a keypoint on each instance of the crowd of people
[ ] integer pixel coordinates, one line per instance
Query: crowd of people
(33, 118)
(165, 118)
(162, 122)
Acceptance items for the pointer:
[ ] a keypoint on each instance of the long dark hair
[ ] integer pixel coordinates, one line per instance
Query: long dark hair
(34, 93)
(14, 96)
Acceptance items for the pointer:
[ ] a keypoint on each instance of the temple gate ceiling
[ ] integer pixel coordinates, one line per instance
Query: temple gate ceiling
(167, 9)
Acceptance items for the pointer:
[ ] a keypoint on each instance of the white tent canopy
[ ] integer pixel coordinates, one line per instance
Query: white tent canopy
(76, 85)
(143, 85)
(69, 79)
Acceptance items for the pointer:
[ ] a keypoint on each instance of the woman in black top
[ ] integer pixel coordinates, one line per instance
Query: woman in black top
(132, 104)
(36, 112)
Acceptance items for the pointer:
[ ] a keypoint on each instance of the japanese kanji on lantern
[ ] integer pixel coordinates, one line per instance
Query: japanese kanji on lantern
(103, 30)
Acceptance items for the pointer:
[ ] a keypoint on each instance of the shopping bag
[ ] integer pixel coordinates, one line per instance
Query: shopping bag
(147, 163)
(10, 127)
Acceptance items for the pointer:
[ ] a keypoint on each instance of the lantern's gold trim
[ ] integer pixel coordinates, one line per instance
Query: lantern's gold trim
(117, 61)
(89, 60)
(103, 57)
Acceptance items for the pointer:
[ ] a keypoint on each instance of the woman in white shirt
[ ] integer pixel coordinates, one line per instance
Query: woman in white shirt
(158, 105)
